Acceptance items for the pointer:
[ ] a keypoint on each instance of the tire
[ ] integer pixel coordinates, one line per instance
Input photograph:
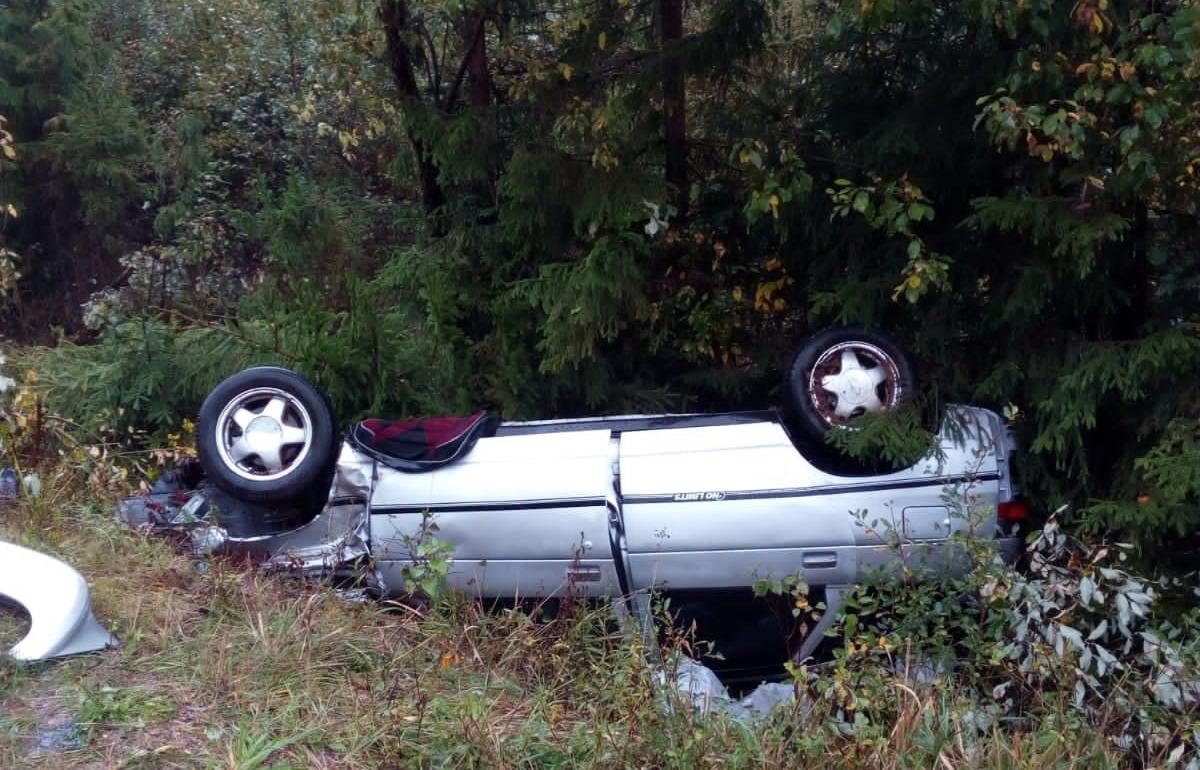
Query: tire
(821, 395)
(267, 435)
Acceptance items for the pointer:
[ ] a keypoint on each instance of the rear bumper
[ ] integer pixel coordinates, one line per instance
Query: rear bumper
(58, 601)
(1010, 548)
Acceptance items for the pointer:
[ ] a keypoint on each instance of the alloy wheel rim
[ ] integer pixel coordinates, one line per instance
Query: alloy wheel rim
(264, 434)
(853, 378)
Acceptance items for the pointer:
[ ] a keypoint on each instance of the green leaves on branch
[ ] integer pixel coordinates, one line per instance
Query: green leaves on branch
(893, 208)
(9, 273)
(776, 178)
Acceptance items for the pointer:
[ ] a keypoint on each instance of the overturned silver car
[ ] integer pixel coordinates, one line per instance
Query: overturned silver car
(615, 506)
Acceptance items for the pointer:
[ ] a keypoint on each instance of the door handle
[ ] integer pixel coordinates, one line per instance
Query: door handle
(819, 560)
(583, 573)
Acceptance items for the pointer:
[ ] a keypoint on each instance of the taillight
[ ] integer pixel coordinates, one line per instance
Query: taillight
(1012, 510)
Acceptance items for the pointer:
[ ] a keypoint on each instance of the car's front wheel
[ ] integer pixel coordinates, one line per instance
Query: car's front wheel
(267, 435)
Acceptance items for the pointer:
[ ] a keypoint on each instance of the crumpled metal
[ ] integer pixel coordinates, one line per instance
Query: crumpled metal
(338, 535)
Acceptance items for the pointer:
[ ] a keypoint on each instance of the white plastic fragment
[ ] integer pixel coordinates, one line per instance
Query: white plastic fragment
(58, 601)
(700, 687)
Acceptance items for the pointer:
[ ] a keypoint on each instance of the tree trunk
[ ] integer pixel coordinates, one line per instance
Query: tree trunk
(674, 104)
(393, 14)
(480, 94)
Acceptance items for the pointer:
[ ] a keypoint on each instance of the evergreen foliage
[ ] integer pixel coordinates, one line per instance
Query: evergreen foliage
(431, 206)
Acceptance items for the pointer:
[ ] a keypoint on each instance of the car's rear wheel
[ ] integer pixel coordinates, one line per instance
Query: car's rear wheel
(267, 435)
(842, 373)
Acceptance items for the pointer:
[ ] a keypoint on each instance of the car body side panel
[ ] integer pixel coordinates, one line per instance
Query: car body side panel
(526, 578)
(751, 457)
(691, 507)
(526, 515)
(738, 568)
(715, 507)
(58, 602)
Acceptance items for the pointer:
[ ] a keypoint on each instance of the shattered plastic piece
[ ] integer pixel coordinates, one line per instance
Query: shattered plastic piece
(32, 484)
(206, 540)
(10, 486)
(697, 683)
(63, 737)
(58, 602)
(700, 686)
(191, 512)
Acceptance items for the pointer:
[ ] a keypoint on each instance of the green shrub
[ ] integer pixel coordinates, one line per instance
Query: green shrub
(146, 374)
(1075, 640)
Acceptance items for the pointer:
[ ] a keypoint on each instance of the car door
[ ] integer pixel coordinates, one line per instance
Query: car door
(722, 506)
(526, 515)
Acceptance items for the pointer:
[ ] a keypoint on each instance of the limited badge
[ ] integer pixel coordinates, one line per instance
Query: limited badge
(697, 497)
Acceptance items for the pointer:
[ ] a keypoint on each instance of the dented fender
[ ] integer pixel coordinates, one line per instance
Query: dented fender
(58, 601)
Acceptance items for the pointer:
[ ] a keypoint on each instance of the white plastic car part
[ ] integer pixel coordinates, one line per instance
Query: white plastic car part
(58, 601)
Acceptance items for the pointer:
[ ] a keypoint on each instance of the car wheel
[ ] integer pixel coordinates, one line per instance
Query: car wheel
(267, 435)
(841, 373)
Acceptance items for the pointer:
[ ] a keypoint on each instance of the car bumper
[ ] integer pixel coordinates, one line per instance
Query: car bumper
(58, 602)
(1010, 548)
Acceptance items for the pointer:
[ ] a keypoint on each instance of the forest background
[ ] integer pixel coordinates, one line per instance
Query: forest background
(561, 208)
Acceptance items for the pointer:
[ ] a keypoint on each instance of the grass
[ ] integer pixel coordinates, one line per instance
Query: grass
(225, 667)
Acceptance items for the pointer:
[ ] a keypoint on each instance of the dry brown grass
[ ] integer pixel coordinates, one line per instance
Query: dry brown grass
(225, 667)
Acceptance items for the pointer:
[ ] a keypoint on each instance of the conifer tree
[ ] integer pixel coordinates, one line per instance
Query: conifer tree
(559, 207)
